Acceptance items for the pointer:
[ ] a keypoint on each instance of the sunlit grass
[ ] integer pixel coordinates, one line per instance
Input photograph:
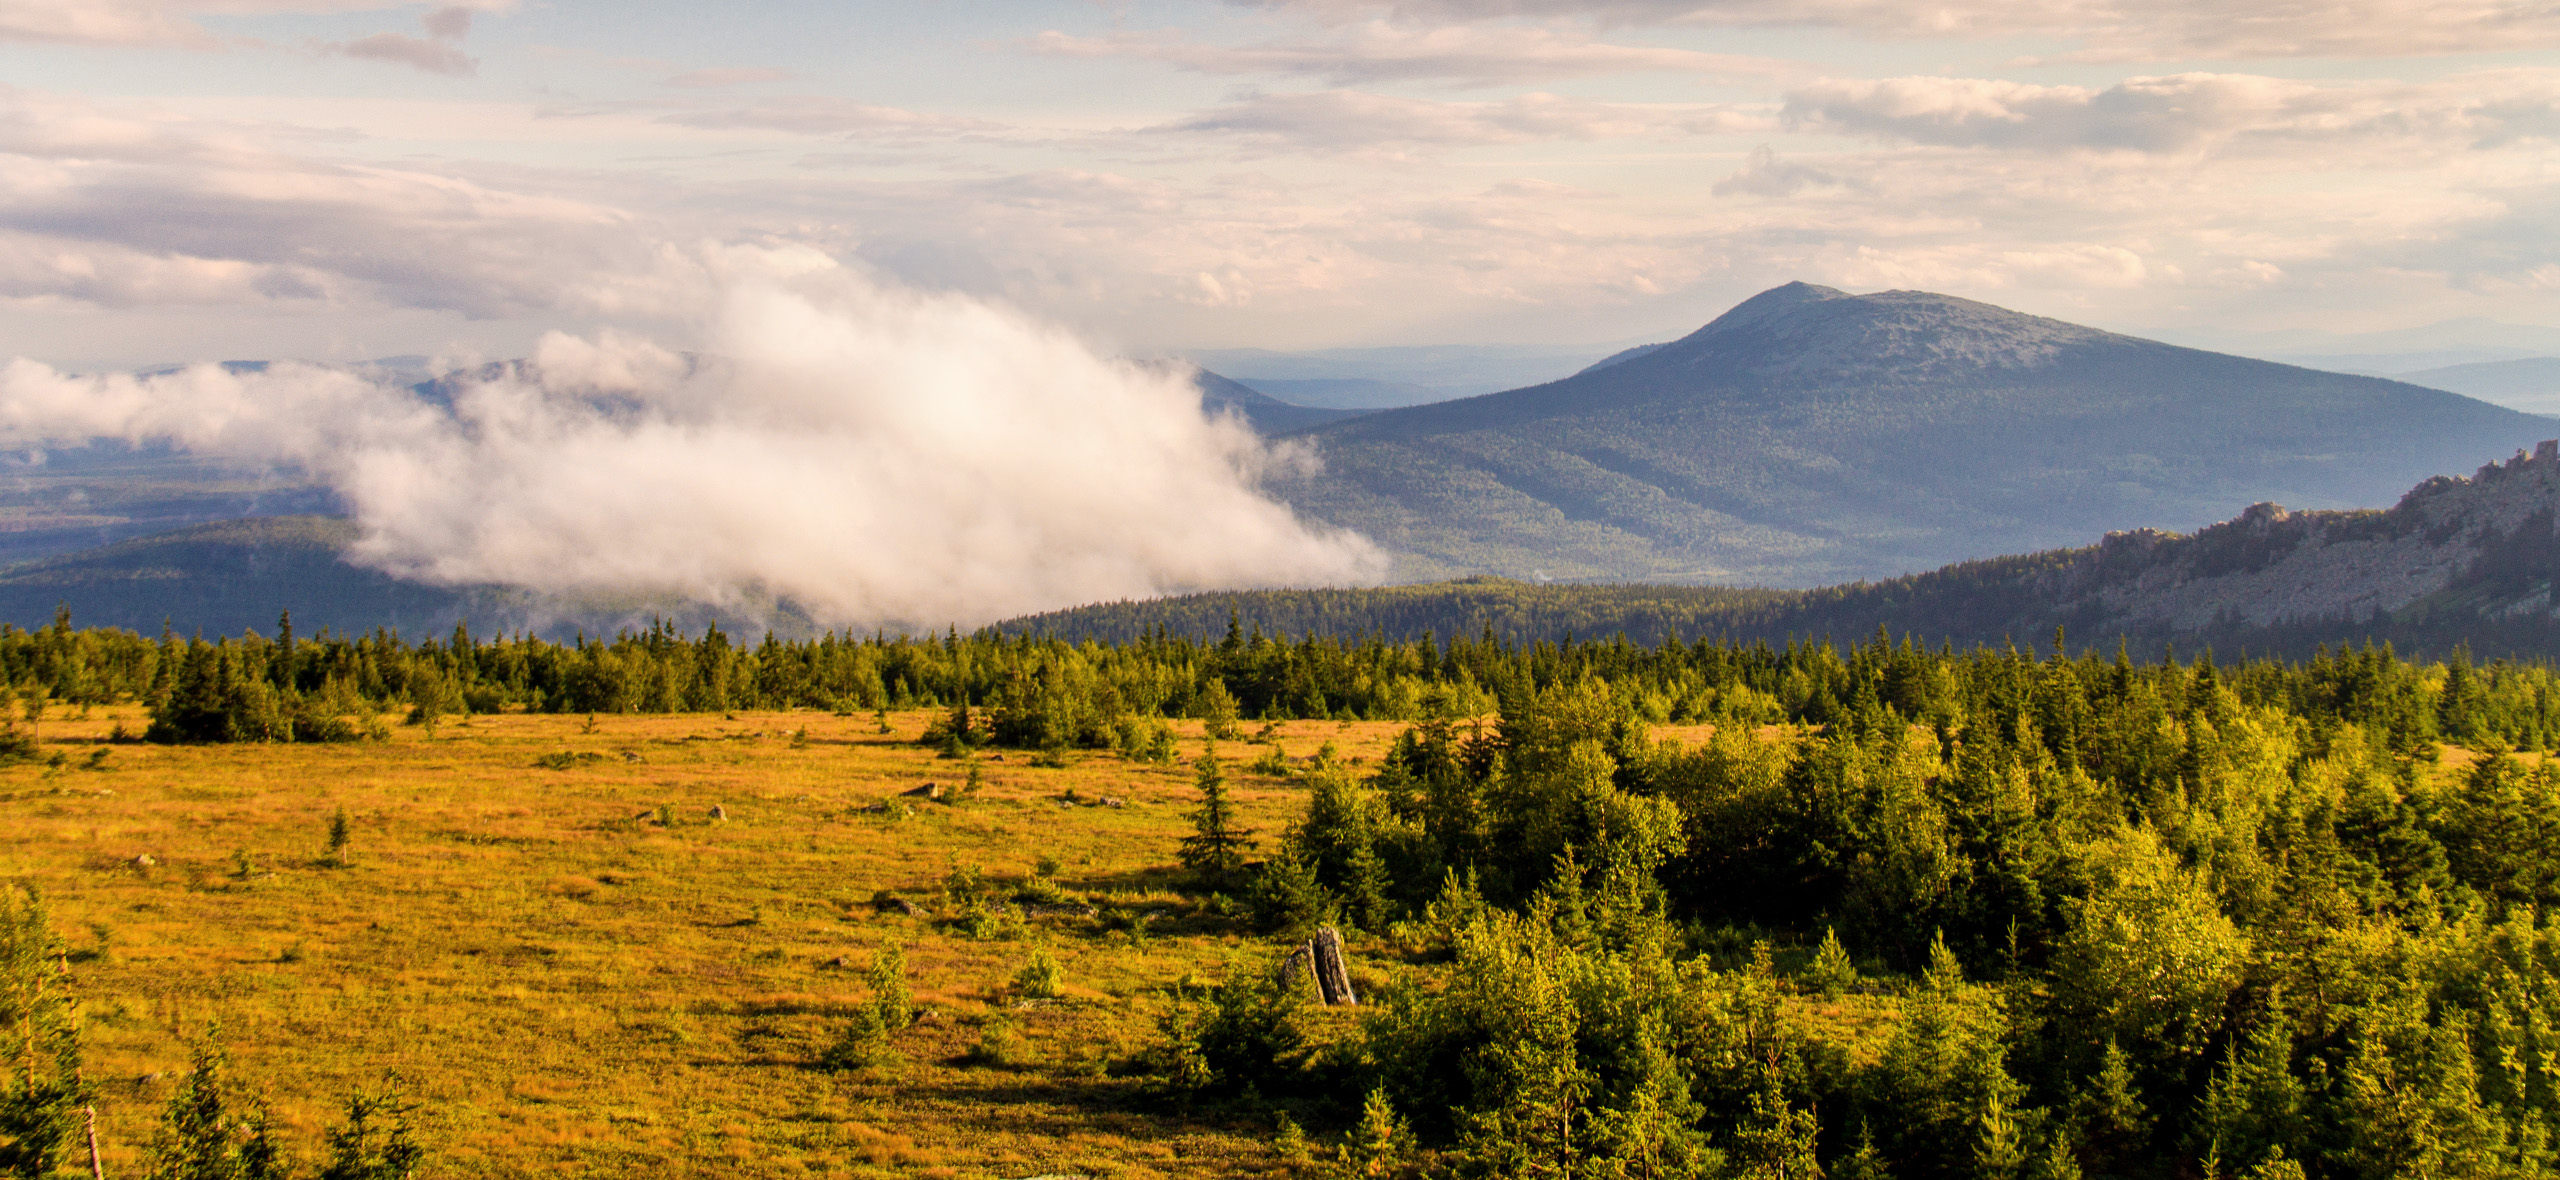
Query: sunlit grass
(573, 988)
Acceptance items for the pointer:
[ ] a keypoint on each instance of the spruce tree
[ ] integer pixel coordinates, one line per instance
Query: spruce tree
(1215, 854)
(41, 1090)
(208, 1132)
(374, 1143)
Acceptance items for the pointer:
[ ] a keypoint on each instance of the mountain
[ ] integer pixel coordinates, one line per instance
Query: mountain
(1268, 414)
(2457, 561)
(1622, 357)
(1453, 370)
(2531, 383)
(77, 498)
(1810, 436)
(1350, 393)
(220, 578)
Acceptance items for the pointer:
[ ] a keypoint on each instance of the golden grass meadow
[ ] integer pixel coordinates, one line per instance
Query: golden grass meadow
(569, 986)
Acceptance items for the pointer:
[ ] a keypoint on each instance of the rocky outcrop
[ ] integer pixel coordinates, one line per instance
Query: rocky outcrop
(2269, 566)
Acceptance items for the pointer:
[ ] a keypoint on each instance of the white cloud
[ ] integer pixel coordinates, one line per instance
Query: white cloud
(119, 208)
(875, 455)
(2107, 29)
(1371, 52)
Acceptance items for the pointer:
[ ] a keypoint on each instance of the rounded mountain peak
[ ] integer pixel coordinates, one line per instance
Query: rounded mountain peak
(1801, 330)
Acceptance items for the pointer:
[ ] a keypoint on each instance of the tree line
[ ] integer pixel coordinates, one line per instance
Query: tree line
(1044, 691)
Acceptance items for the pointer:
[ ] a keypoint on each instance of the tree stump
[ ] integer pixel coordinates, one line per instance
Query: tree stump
(1301, 964)
(1333, 976)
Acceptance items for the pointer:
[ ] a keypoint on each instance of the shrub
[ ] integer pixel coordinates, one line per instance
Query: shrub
(861, 1044)
(892, 1005)
(1040, 978)
(1000, 1045)
(1249, 1031)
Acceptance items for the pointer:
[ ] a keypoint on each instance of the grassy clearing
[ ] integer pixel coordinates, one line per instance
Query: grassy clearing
(573, 987)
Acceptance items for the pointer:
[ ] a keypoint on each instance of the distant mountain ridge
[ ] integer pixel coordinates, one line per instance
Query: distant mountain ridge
(2457, 561)
(2529, 383)
(1810, 436)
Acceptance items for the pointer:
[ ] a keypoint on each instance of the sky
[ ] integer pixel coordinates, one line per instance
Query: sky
(342, 179)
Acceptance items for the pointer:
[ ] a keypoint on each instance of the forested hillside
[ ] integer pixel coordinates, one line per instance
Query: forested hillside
(2457, 561)
(1810, 436)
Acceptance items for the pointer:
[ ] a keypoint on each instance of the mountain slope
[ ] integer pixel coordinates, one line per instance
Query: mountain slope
(2527, 383)
(1268, 414)
(219, 578)
(2458, 560)
(1811, 436)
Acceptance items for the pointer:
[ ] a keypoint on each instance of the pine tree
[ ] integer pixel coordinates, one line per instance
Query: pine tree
(1215, 855)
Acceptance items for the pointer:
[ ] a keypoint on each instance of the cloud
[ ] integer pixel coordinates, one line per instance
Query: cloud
(122, 209)
(1765, 175)
(2106, 29)
(2184, 113)
(1376, 51)
(435, 57)
(1346, 122)
(451, 23)
(873, 455)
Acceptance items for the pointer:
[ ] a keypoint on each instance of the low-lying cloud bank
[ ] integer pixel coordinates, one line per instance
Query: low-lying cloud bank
(873, 456)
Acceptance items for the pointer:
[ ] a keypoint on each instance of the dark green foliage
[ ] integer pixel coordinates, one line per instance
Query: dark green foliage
(1248, 1033)
(375, 1142)
(211, 1130)
(2138, 920)
(2501, 830)
(1287, 900)
(41, 1090)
